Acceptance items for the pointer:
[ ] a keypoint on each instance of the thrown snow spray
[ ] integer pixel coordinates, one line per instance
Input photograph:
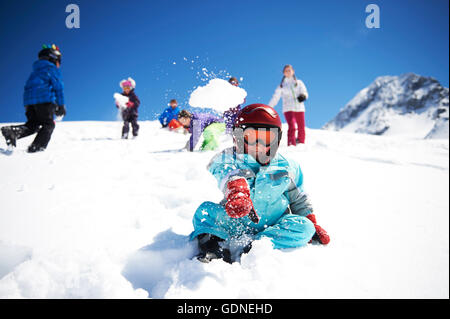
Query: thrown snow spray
(218, 94)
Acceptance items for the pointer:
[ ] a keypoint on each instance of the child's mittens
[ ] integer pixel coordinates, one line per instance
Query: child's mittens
(320, 235)
(130, 104)
(239, 203)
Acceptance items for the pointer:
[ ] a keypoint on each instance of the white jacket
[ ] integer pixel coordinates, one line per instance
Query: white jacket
(289, 92)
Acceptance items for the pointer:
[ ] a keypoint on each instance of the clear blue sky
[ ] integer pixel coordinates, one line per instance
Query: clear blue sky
(326, 42)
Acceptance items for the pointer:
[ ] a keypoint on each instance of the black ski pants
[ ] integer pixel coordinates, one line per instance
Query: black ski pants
(40, 121)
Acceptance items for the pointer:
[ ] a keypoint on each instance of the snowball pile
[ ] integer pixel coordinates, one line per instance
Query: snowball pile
(218, 94)
(121, 100)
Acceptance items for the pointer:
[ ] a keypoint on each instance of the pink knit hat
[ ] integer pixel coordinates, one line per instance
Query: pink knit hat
(128, 83)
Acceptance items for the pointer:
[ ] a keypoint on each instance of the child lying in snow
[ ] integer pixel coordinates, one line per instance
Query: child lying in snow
(209, 125)
(263, 191)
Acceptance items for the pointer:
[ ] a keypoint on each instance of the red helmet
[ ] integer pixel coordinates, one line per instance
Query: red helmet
(259, 116)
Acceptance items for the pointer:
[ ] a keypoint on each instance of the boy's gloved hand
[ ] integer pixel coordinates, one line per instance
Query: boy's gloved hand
(130, 104)
(239, 203)
(320, 235)
(60, 110)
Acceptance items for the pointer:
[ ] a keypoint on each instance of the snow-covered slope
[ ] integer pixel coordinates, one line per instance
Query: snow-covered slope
(407, 105)
(96, 216)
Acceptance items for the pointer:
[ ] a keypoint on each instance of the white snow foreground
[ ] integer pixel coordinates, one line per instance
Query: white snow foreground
(98, 217)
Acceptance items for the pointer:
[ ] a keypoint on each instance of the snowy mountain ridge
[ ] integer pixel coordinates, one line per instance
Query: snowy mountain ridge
(408, 105)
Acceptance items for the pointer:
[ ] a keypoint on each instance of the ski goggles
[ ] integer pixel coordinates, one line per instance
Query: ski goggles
(263, 136)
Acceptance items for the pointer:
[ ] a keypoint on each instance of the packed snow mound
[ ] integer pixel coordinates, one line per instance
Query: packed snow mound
(95, 216)
(218, 94)
(408, 105)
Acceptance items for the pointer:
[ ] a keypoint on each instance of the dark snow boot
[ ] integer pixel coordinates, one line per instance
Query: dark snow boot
(125, 136)
(13, 133)
(210, 249)
(247, 248)
(9, 136)
(34, 148)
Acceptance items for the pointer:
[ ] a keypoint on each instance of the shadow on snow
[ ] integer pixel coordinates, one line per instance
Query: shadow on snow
(165, 262)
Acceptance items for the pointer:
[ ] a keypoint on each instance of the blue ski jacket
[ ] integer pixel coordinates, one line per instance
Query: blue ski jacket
(276, 191)
(168, 115)
(44, 85)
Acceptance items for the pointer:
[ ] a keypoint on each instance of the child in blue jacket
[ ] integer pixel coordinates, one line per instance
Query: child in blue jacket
(263, 193)
(43, 97)
(169, 113)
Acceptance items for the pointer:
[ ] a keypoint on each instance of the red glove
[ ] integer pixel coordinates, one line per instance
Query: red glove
(130, 104)
(239, 203)
(321, 235)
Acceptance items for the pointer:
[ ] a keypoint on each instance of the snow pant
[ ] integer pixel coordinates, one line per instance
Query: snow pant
(289, 231)
(296, 122)
(127, 120)
(40, 121)
(211, 136)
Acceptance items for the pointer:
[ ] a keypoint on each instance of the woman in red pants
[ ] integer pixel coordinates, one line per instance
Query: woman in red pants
(294, 93)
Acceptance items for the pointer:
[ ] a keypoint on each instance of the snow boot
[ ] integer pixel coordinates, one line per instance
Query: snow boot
(246, 249)
(125, 136)
(13, 133)
(210, 249)
(9, 135)
(34, 148)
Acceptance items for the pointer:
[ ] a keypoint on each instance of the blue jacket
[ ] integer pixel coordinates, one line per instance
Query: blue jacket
(168, 115)
(44, 85)
(275, 189)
